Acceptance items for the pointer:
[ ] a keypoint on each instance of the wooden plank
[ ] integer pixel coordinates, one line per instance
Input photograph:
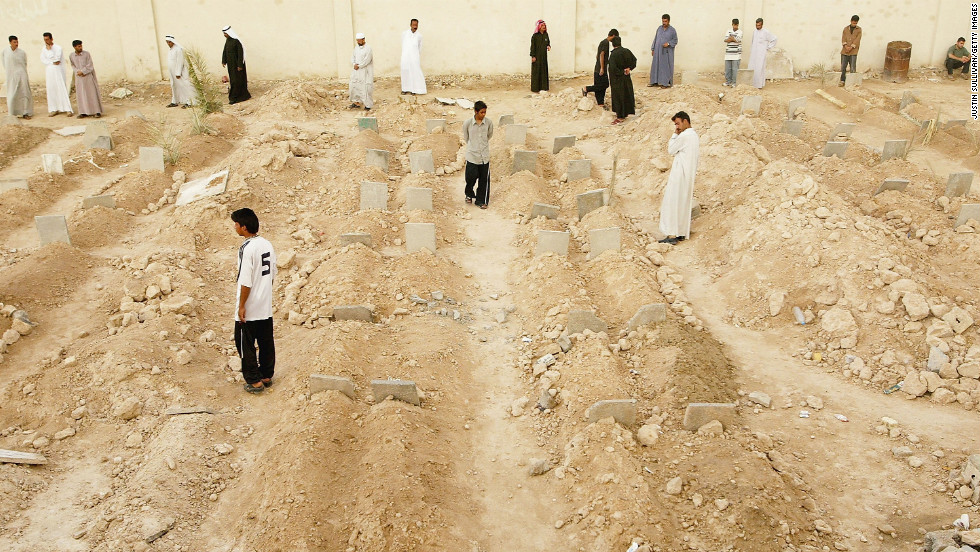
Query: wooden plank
(17, 457)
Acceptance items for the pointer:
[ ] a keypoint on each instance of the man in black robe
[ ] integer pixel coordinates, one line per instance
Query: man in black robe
(600, 78)
(233, 57)
(540, 45)
(621, 63)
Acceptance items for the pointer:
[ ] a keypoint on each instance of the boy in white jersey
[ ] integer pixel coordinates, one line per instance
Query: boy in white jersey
(253, 317)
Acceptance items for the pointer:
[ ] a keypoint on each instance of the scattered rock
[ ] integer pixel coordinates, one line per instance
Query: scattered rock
(674, 486)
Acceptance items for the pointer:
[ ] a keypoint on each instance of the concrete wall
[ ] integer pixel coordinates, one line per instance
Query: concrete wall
(313, 38)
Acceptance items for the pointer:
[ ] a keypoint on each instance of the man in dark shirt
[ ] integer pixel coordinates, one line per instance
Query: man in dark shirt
(958, 56)
(600, 79)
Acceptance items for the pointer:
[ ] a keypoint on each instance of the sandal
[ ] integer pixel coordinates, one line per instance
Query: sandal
(469, 200)
(172, 105)
(484, 206)
(253, 389)
(585, 92)
(267, 382)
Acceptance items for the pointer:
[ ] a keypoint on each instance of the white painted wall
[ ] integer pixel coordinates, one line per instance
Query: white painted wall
(313, 38)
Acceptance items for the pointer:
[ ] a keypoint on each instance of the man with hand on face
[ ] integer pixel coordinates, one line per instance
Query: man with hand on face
(54, 72)
(675, 208)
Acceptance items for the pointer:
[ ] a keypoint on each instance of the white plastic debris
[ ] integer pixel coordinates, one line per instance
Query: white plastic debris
(804, 413)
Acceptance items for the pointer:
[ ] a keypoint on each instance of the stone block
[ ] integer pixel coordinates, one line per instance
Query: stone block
(852, 80)
(581, 320)
(13, 184)
(135, 113)
(525, 161)
(894, 149)
(544, 210)
(321, 382)
(420, 235)
(377, 158)
(505, 120)
(515, 134)
(400, 390)
(200, 188)
(97, 136)
(745, 77)
(968, 211)
(579, 169)
(562, 142)
(74, 130)
(374, 195)
(550, 241)
(151, 159)
(367, 123)
(896, 184)
(590, 201)
(792, 127)
(698, 414)
(959, 184)
(841, 132)
(751, 106)
(621, 410)
(51, 163)
(835, 148)
(52, 228)
(10, 120)
(779, 65)
(418, 199)
(107, 201)
(908, 98)
(356, 237)
(353, 312)
(647, 314)
(604, 239)
(795, 108)
(17, 457)
(421, 161)
(689, 77)
(432, 124)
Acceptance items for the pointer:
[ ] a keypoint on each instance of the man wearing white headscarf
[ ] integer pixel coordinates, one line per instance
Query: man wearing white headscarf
(233, 58)
(57, 86)
(182, 92)
(362, 75)
(413, 81)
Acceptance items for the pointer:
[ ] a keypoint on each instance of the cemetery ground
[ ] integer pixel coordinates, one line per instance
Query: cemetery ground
(120, 374)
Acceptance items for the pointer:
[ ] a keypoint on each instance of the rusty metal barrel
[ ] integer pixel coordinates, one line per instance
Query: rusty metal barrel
(897, 56)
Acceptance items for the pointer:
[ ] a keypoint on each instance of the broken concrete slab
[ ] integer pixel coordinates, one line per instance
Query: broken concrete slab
(544, 210)
(51, 163)
(562, 142)
(796, 107)
(550, 241)
(151, 159)
(374, 195)
(377, 158)
(353, 312)
(745, 77)
(75, 130)
(792, 127)
(579, 169)
(590, 201)
(841, 132)
(200, 188)
(852, 80)
(896, 184)
(908, 97)
(367, 123)
(647, 314)
(323, 382)
(52, 228)
(968, 212)
(698, 414)
(894, 149)
(420, 235)
(421, 161)
(107, 201)
(760, 398)
(751, 106)
(97, 136)
(621, 410)
(356, 237)
(580, 320)
(13, 184)
(525, 161)
(604, 239)
(418, 199)
(834, 148)
(17, 457)
(505, 120)
(515, 134)
(959, 184)
(689, 77)
(432, 124)
(399, 390)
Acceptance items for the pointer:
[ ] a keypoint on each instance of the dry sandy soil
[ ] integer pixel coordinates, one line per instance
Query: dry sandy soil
(135, 318)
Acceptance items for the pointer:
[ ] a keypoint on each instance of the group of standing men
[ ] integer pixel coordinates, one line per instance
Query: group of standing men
(361, 88)
(20, 101)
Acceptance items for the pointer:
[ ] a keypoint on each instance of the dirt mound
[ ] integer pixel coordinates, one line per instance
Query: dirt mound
(45, 279)
(518, 192)
(19, 139)
(299, 101)
(200, 150)
(97, 227)
(444, 147)
(227, 126)
(136, 190)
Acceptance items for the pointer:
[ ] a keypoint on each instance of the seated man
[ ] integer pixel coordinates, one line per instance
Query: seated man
(958, 56)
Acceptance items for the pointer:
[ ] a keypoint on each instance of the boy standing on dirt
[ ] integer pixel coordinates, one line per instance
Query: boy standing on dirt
(253, 314)
(477, 133)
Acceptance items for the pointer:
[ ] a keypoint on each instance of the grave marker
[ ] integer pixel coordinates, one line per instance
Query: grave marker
(562, 142)
(97, 136)
(525, 161)
(698, 414)
(896, 184)
(841, 132)
(420, 235)
(353, 312)
(515, 134)
(908, 97)
(151, 159)
(852, 80)
(835, 148)
(893, 149)
(603, 239)
(107, 201)
(968, 211)
(795, 108)
(581, 320)
(648, 314)
(544, 210)
(751, 106)
(377, 158)
(551, 241)
(792, 127)
(321, 382)
(71, 130)
(202, 187)
(52, 228)
(356, 237)
(590, 201)
(51, 162)
(621, 410)
(418, 199)
(432, 124)
(374, 195)
(506, 120)
(953, 123)
(400, 390)
(579, 169)
(13, 184)
(421, 161)
(959, 184)
(367, 123)
(745, 77)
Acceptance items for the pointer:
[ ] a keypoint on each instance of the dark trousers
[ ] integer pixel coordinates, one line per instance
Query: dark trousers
(479, 173)
(259, 366)
(954, 64)
(844, 62)
(599, 85)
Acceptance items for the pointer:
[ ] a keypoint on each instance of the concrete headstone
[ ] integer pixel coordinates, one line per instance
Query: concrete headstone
(853, 80)
(698, 414)
(908, 98)
(420, 235)
(400, 390)
(647, 314)
(515, 134)
(367, 123)
(432, 124)
(353, 312)
(13, 184)
(581, 320)
(579, 169)
(374, 195)
(505, 120)
(199, 188)
(603, 239)
(418, 199)
(745, 77)
(322, 382)
(377, 158)
(590, 201)
(959, 184)
(751, 106)
(792, 127)
(421, 161)
(97, 136)
(550, 241)
(621, 410)
(968, 211)
(151, 159)
(562, 142)
(74, 130)
(796, 107)
(356, 237)
(841, 132)
(51, 162)
(894, 149)
(52, 228)
(107, 201)
(835, 148)
(525, 161)
(544, 210)
(896, 184)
